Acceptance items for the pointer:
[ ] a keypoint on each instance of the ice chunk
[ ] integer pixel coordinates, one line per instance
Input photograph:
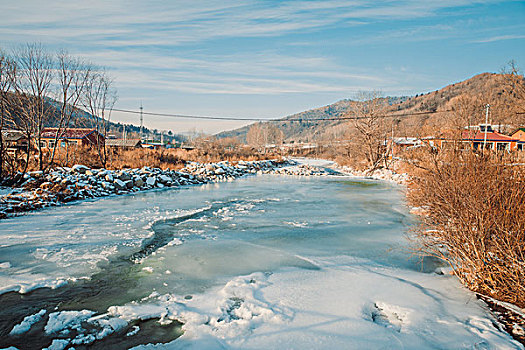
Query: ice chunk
(28, 321)
(63, 321)
(58, 344)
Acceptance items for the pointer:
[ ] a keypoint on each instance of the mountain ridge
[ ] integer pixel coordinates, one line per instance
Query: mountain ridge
(480, 89)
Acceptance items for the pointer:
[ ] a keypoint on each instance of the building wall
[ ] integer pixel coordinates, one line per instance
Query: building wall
(520, 134)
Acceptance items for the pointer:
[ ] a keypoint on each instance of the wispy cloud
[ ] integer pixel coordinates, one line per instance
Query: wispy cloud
(500, 38)
(137, 23)
(257, 50)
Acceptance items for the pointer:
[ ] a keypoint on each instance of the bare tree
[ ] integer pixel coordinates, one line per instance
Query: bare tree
(32, 89)
(72, 76)
(515, 81)
(255, 136)
(466, 111)
(99, 99)
(371, 127)
(262, 134)
(7, 69)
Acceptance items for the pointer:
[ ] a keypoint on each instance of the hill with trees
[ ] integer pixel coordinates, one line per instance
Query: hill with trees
(463, 100)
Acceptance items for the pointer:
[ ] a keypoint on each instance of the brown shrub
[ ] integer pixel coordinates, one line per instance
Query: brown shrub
(475, 219)
(140, 157)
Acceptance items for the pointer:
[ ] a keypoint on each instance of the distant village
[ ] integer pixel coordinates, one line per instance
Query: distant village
(483, 136)
(16, 142)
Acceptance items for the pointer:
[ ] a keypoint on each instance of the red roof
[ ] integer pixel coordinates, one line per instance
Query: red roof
(491, 136)
(71, 133)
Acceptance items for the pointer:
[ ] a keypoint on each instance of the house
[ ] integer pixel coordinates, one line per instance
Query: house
(477, 138)
(15, 142)
(402, 143)
(124, 143)
(72, 137)
(153, 144)
(520, 135)
(490, 139)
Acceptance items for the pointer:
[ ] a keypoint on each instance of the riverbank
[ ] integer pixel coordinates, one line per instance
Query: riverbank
(64, 185)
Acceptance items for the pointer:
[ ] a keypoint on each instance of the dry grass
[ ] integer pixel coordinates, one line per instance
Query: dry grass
(475, 219)
(140, 157)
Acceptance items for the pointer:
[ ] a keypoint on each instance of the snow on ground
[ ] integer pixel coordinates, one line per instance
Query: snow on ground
(348, 304)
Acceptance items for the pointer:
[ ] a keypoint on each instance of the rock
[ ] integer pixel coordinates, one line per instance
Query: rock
(109, 177)
(107, 185)
(119, 184)
(138, 182)
(91, 172)
(35, 173)
(164, 179)
(46, 185)
(128, 184)
(124, 176)
(79, 168)
(151, 180)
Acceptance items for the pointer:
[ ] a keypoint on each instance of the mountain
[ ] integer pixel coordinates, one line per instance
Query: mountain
(475, 92)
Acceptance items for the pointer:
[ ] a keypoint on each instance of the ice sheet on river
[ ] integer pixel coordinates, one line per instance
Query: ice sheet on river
(263, 262)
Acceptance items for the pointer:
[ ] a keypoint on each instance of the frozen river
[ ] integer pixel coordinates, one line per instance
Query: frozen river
(261, 262)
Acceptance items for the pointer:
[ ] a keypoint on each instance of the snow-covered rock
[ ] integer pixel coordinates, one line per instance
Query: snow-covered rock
(151, 180)
(119, 184)
(79, 168)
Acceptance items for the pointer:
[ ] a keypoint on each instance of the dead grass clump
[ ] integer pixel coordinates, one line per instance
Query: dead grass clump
(476, 220)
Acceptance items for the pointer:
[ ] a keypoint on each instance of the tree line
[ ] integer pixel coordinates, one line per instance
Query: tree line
(39, 88)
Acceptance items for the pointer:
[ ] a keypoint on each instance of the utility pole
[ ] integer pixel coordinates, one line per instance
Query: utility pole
(392, 143)
(141, 120)
(487, 107)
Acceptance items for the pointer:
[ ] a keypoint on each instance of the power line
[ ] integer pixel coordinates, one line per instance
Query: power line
(171, 115)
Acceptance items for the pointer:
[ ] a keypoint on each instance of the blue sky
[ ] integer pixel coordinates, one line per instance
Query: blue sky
(270, 59)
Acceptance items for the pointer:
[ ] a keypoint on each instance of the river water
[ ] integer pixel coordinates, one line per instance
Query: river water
(262, 262)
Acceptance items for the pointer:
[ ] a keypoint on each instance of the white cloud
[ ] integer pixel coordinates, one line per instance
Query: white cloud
(136, 23)
(499, 38)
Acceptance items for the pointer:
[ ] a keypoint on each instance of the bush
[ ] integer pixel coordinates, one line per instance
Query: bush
(474, 207)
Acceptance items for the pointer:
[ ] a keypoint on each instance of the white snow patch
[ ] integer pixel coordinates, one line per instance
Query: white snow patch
(27, 323)
(348, 304)
(133, 331)
(63, 321)
(58, 344)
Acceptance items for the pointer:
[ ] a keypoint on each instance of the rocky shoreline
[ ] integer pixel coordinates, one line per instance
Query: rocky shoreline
(63, 185)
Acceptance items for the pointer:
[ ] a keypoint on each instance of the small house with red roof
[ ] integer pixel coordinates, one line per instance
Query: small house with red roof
(72, 137)
(491, 139)
(479, 136)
